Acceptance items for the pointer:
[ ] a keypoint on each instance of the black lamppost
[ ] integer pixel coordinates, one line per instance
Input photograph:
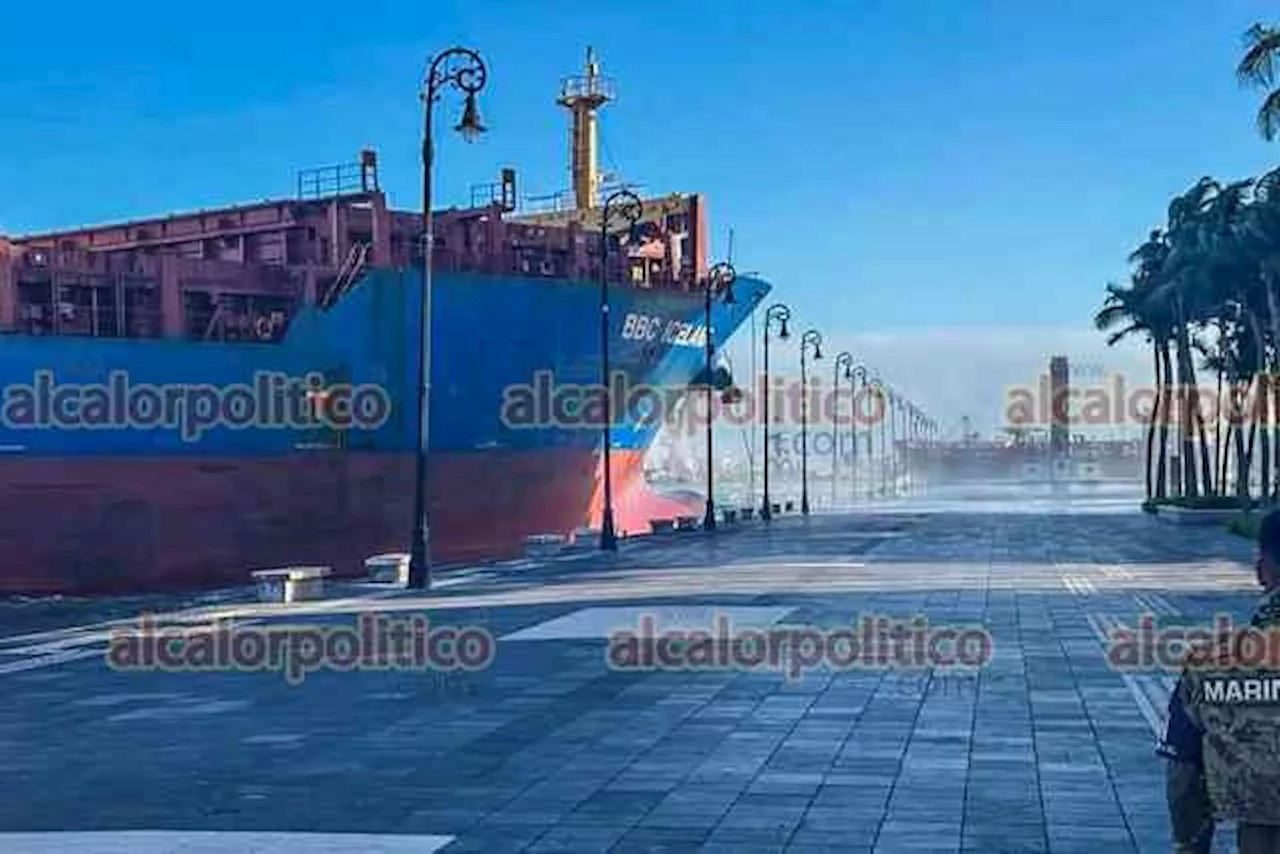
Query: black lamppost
(857, 379)
(627, 204)
(811, 339)
(781, 314)
(917, 473)
(720, 279)
(892, 447)
(908, 459)
(934, 455)
(463, 69)
(882, 410)
(844, 360)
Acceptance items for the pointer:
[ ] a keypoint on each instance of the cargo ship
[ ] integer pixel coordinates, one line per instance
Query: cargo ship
(162, 377)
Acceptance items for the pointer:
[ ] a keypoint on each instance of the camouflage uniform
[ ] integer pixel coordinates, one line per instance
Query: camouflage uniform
(1235, 772)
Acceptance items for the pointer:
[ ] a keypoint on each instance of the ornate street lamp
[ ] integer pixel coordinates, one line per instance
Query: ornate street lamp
(917, 440)
(462, 69)
(892, 447)
(810, 340)
(629, 206)
(843, 360)
(908, 429)
(780, 314)
(720, 280)
(882, 398)
(909, 460)
(858, 379)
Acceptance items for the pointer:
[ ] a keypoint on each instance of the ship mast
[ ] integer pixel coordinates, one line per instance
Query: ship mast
(584, 95)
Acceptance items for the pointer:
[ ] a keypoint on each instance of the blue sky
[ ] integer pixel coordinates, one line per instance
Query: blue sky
(889, 165)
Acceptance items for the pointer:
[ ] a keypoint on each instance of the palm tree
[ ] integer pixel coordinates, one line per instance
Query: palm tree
(1213, 272)
(1257, 68)
(1123, 308)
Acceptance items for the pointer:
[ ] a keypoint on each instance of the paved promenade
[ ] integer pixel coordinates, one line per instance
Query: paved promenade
(1044, 749)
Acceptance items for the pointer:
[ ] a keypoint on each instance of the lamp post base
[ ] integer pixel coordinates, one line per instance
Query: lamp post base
(419, 562)
(766, 511)
(709, 517)
(804, 505)
(608, 537)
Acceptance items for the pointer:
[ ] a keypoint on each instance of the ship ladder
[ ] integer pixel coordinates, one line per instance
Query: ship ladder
(348, 274)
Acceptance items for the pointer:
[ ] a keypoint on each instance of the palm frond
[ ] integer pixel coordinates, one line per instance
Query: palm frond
(1109, 316)
(1269, 116)
(1258, 65)
(1118, 336)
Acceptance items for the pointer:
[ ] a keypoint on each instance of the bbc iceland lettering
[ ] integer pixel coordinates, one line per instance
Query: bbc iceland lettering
(653, 328)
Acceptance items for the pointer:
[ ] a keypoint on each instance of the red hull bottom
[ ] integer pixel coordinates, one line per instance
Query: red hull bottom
(127, 525)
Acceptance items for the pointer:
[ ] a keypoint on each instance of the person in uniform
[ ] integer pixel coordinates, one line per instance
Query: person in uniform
(1223, 736)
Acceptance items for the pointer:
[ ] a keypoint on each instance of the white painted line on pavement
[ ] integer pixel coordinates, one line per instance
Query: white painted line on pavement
(1140, 688)
(1079, 585)
(786, 564)
(578, 556)
(1099, 630)
(216, 842)
(48, 661)
(1156, 604)
(599, 623)
(1150, 691)
(454, 582)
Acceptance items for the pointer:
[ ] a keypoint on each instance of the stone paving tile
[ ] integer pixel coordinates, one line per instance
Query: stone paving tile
(548, 750)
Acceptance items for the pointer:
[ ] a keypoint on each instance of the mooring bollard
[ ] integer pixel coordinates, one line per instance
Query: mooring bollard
(388, 568)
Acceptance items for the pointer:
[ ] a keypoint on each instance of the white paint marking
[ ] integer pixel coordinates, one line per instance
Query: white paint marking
(217, 842)
(1146, 692)
(211, 707)
(121, 699)
(281, 738)
(571, 557)
(454, 582)
(48, 660)
(599, 623)
(785, 564)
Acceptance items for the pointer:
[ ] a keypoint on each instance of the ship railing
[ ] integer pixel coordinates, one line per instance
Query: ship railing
(337, 180)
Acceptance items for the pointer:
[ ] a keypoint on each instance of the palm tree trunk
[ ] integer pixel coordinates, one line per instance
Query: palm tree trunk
(1257, 418)
(1225, 461)
(1166, 395)
(1273, 324)
(1273, 396)
(1206, 475)
(1219, 480)
(1246, 492)
(1151, 426)
(1186, 398)
(1242, 465)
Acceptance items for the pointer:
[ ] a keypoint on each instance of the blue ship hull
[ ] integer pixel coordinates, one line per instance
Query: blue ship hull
(96, 501)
